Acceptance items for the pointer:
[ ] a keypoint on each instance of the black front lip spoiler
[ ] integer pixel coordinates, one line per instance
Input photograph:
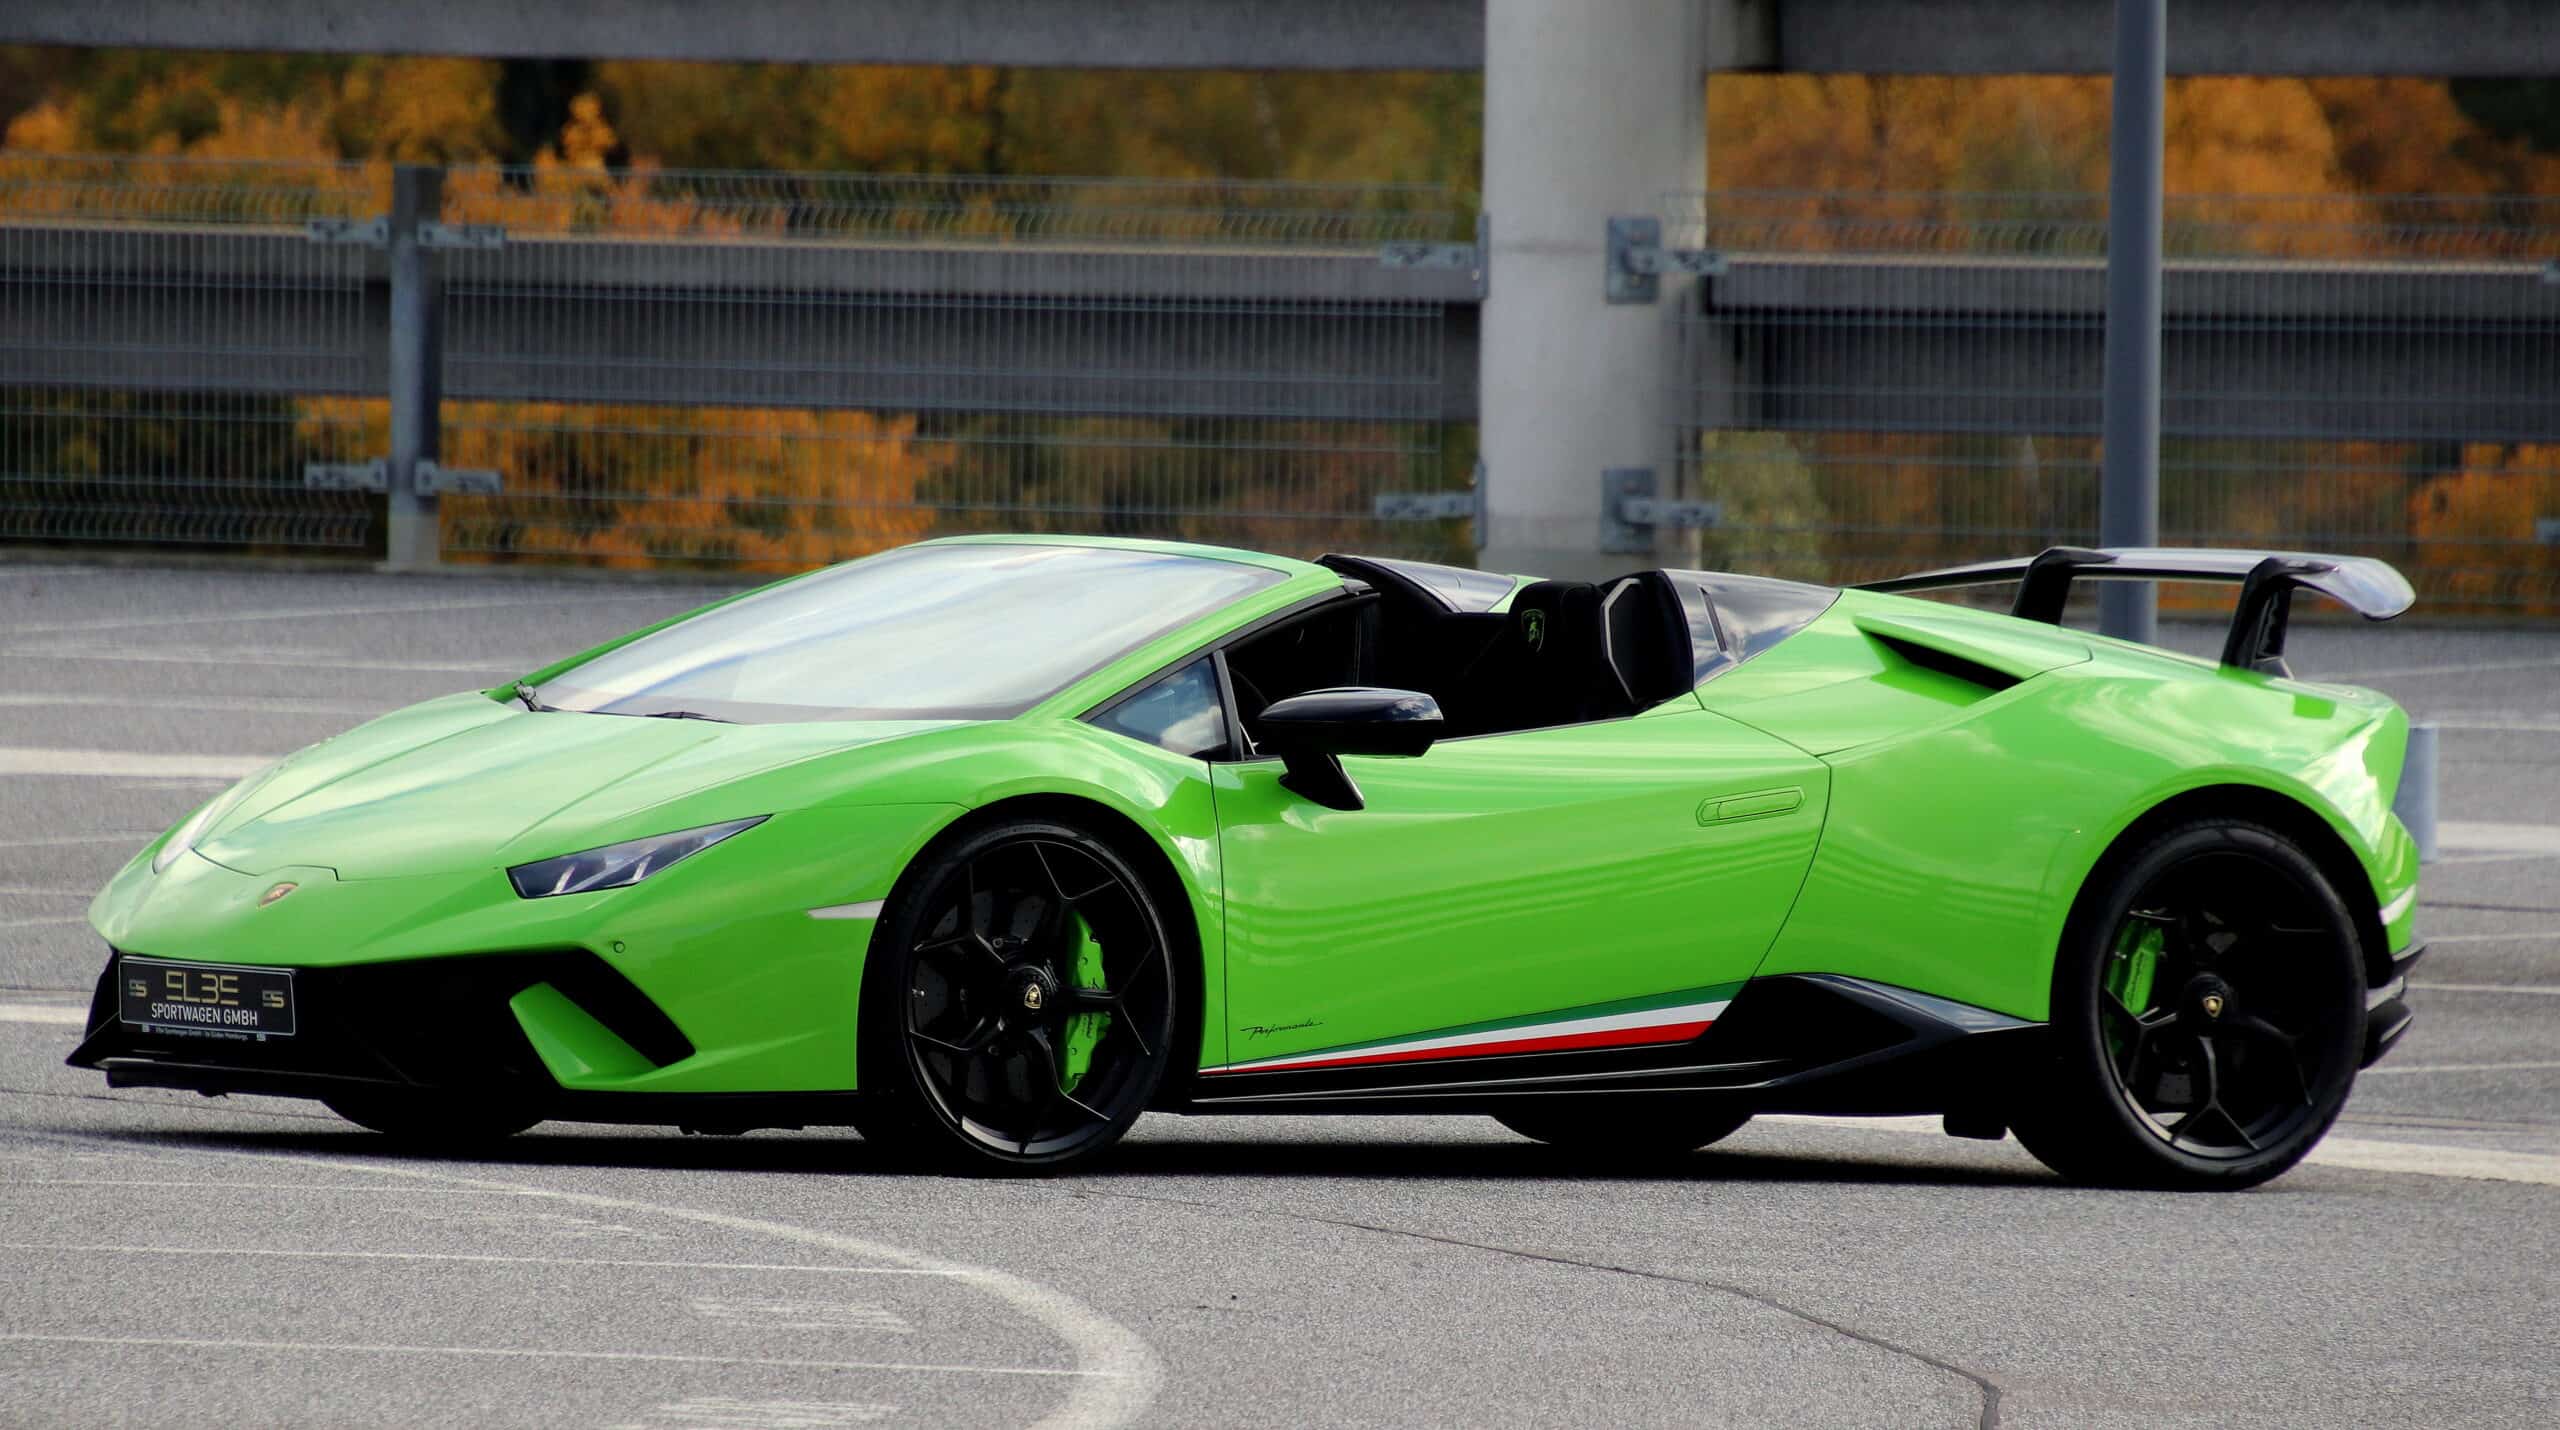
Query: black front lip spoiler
(717, 1112)
(2386, 1009)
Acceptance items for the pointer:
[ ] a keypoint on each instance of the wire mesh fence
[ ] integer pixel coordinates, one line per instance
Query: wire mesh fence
(783, 369)
(772, 370)
(156, 316)
(1878, 383)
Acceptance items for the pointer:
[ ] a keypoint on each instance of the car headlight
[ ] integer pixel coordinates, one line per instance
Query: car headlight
(618, 866)
(186, 835)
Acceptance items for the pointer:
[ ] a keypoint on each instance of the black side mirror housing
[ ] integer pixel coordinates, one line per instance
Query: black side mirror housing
(1313, 731)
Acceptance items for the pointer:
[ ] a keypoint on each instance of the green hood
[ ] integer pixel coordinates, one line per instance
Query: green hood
(467, 783)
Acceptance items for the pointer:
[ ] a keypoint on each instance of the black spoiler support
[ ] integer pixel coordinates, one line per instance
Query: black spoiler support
(2372, 589)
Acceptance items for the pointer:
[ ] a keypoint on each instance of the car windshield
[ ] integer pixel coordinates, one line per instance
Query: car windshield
(961, 632)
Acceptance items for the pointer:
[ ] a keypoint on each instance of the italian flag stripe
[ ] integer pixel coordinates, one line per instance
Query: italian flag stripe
(1675, 1018)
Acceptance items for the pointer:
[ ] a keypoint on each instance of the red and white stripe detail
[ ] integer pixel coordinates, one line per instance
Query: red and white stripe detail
(1614, 1030)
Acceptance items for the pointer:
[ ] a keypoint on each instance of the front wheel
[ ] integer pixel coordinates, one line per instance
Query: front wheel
(1020, 1003)
(2208, 1012)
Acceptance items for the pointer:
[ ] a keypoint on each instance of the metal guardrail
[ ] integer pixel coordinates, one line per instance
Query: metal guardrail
(775, 369)
(1886, 382)
(704, 367)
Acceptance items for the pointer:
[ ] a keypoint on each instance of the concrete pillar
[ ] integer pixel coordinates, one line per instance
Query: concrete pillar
(1591, 108)
(411, 540)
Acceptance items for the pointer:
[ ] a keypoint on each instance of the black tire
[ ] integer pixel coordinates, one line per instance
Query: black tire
(1642, 1130)
(974, 1005)
(432, 1119)
(2208, 1015)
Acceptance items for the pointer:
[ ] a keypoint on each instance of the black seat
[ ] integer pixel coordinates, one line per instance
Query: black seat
(1549, 665)
(1646, 637)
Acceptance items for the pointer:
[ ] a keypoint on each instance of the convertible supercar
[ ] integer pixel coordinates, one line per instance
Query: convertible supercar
(986, 845)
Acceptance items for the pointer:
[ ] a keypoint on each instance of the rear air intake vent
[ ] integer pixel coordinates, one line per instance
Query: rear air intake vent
(1946, 663)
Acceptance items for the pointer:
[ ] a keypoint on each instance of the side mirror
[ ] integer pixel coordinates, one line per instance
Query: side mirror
(1312, 731)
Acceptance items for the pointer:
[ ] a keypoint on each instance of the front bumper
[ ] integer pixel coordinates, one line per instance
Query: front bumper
(448, 1027)
(442, 1023)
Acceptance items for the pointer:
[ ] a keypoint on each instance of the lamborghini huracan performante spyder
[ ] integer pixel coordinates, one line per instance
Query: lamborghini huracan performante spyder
(984, 846)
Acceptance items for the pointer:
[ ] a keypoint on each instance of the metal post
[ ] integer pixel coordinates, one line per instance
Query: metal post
(417, 365)
(2129, 473)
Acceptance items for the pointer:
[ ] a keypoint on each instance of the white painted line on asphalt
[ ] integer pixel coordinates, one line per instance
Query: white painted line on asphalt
(247, 1254)
(124, 764)
(57, 841)
(2481, 836)
(2423, 1159)
(262, 1186)
(2428, 1159)
(2396, 1070)
(210, 1343)
(2351, 676)
(62, 1013)
(41, 923)
(251, 704)
(1118, 1373)
(47, 891)
(2443, 860)
(2528, 936)
(2533, 989)
(802, 1315)
(282, 659)
(324, 613)
(727, 1412)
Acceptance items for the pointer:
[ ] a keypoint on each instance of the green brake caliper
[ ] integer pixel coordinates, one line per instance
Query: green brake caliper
(2130, 971)
(1084, 1030)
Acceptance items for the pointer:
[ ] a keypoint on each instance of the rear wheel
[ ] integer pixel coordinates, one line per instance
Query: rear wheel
(1649, 1129)
(431, 1119)
(2208, 1010)
(1019, 1005)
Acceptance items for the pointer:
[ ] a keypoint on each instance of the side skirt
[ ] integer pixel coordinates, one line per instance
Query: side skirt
(1819, 1043)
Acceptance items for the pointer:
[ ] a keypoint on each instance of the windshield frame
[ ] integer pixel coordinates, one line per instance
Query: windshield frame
(558, 689)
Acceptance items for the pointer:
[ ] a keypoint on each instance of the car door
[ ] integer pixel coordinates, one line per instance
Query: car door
(1591, 885)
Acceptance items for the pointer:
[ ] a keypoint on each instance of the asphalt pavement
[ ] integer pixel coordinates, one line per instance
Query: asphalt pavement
(173, 1260)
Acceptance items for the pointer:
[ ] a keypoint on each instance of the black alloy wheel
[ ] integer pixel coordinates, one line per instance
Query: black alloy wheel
(1021, 1006)
(1636, 1129)
(2208, 1014)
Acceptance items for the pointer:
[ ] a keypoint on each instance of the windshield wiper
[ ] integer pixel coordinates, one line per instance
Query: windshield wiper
(688, 715)
(524, 693)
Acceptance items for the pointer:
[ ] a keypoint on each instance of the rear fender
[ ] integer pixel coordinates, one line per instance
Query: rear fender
(1953, 854)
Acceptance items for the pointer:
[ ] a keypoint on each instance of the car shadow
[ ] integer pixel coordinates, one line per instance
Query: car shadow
(1244, 1157)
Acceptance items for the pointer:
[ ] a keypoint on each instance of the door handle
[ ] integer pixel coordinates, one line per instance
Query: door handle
(1757, 804)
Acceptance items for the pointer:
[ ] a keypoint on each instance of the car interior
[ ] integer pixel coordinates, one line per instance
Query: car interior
(1566, 652)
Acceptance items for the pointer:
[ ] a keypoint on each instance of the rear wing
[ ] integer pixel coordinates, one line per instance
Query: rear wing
(2372, 589)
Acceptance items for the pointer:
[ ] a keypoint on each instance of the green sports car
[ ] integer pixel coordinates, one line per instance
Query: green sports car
(984, 846)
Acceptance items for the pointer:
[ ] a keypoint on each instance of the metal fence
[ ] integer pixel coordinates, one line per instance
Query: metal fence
(1876, 383)
(653, 367)
(165, 373)
(762, 370)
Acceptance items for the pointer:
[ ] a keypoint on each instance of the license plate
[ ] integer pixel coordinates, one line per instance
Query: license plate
(215, 1000)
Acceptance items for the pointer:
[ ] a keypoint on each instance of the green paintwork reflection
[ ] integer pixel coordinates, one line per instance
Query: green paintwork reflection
(1506, 875)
